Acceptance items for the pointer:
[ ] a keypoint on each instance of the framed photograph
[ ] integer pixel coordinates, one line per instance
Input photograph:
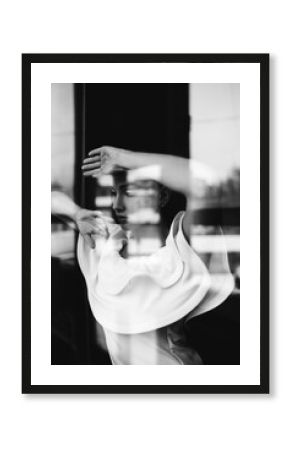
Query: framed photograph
(145, 223)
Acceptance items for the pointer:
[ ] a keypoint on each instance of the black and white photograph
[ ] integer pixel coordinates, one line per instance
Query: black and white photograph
(145, 232)
(152, 258)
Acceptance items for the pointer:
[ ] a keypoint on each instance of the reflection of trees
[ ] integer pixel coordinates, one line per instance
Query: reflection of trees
(225, 193)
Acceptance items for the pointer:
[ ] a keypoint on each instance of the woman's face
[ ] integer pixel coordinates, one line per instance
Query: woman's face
(129, 198)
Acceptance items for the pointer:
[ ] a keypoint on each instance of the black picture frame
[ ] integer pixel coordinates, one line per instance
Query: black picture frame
(263, 61)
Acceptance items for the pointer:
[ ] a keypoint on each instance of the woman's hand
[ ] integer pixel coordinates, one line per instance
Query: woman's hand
(102, 160)
(91, 224)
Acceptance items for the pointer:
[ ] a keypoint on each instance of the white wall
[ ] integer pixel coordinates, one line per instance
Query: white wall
(62, 136)
(215, 125)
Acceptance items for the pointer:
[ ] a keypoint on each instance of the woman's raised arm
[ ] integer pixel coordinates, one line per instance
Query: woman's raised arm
(173, 171)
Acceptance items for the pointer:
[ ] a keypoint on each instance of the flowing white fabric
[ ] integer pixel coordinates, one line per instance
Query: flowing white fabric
(137, 296)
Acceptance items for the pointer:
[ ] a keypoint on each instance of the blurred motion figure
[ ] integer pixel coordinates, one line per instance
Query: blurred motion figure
(143, 303)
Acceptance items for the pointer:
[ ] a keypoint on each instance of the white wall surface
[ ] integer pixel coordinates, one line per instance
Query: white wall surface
(143, 422)
(215, 125)
(62, 136)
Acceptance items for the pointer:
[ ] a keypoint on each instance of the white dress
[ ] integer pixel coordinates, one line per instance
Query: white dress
(142, 303)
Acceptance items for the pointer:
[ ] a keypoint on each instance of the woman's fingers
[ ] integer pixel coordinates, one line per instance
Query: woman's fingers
(94, 217)
(93, 159)
(92, 224)
(96, 151)
(92, 172)
(100, 161)
(88, 214)
(95, 224)
(93, 232)
(98, 215)
(91, 227)
(95, 165)
(92, 166)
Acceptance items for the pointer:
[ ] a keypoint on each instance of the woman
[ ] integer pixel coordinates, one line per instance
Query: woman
(143, 303)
